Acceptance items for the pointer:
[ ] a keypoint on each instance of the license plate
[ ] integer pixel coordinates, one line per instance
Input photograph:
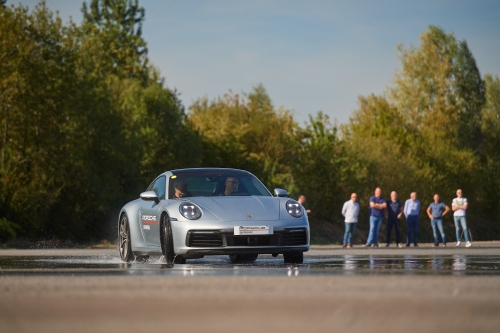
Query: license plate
(253, 230)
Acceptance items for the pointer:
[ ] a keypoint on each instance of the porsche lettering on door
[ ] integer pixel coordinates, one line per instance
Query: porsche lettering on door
(149, 219)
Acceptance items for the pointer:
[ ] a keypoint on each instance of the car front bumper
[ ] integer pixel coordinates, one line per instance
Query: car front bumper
(199, 238)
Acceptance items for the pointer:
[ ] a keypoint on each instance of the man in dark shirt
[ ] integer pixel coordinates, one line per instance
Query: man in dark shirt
(231, 184)
(377, 208)
(181, 189)
(436, 211)
(393, 214)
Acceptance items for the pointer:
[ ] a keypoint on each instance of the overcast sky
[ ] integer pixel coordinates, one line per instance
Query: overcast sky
(310, 55)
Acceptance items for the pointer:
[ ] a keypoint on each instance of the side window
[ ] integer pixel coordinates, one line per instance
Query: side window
(159, 187)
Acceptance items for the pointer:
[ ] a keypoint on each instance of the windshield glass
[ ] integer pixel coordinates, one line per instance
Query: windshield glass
(215, 183)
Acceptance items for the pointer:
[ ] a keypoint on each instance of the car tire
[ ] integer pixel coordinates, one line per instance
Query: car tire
(124, 243)
(235, 258)
(293, 257)
(167, 241)
(179, 260)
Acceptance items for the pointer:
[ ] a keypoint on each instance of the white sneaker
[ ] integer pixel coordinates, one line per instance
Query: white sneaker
(468, 244)
(458, 244)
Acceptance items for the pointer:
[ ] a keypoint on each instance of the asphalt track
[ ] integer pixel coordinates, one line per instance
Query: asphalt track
(374, 290)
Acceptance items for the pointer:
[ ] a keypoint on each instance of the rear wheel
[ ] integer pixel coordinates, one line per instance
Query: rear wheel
(124, 245)
(293, 257)
(167, 242)
(235, 258)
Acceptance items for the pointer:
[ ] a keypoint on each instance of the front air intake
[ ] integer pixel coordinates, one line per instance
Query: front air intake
(293, 237)
(204, 239)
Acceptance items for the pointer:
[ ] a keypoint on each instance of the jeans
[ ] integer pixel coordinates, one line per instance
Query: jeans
(460, 220)
(349, 230)
(412, 225)
(375, 223)
(397, 225)
(438, 224)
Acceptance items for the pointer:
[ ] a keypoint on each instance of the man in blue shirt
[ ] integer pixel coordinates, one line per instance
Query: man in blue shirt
(436, 211)
(393, 215)
(377, 208)
(411, 211)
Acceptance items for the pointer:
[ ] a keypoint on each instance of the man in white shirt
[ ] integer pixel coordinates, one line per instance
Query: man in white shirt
(350, 210)
(459, 206)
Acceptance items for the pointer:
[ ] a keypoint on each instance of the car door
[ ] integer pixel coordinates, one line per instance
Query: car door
(150, 215)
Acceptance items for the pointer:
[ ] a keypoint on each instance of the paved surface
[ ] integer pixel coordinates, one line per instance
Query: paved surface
(480, 248)
(243, 304)
(356, 303)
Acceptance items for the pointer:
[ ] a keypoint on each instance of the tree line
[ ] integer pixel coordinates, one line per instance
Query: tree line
(87, 122)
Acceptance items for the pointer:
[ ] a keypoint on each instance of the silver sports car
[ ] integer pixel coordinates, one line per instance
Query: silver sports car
(190, 213)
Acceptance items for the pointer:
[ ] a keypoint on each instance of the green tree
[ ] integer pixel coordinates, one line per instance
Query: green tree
(322, 169)
(112, 31)
(490, 171)
(471, 92)
(439, 90)
(248, 134)
(78, 139)
(31, 89)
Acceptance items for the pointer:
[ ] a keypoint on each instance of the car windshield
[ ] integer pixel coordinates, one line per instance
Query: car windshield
(215, 183)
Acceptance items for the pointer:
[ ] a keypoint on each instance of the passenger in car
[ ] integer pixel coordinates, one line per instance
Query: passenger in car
(232, 184)
(181, 189)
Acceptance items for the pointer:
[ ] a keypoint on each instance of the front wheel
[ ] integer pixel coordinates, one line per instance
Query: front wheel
(124, 245)
(293, 257)
(179, 260)
(167, 240)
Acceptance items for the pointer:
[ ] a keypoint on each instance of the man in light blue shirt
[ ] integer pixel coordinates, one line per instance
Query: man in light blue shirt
(411, 211)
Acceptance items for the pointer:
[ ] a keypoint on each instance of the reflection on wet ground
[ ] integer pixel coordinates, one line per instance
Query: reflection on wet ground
(265, 265)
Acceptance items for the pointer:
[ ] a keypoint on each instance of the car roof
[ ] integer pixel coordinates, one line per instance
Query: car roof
(189, 170)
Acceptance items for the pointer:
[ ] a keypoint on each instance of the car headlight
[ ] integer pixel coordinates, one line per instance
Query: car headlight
(190, 211)
(294, 208)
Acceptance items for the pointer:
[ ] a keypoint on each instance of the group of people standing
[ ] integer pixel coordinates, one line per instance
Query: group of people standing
(393, 210)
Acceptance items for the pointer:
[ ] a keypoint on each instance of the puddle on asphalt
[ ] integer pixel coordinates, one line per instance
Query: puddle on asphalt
(265, 265)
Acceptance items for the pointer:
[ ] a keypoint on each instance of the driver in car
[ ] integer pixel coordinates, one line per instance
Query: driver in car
(181, 189)
(231, 186)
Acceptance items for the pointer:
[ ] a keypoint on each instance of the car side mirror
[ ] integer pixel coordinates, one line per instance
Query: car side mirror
(279, 192)
(150, 196)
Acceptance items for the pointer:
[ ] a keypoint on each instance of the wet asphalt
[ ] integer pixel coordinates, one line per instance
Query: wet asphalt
(481, 259)
(422, 289)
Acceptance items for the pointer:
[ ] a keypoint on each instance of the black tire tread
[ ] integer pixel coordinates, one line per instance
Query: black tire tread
(293, 257)
(167, 241)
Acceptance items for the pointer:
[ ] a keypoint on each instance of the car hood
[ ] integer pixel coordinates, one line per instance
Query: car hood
(241, 208)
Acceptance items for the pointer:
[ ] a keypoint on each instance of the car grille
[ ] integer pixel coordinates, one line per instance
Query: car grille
(252, 240)
(200, 239)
